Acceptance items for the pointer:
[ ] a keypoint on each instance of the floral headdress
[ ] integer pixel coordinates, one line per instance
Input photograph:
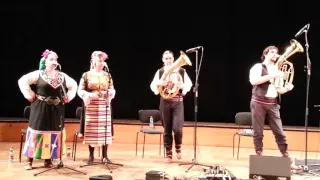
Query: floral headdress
(99, 54)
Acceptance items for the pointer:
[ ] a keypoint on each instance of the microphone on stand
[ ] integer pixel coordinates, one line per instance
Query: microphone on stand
(106, 65)
(57, 64)
(62, 86)
(193, 49)
(304, 29)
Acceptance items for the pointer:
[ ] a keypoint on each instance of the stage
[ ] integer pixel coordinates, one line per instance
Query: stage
(214, 148)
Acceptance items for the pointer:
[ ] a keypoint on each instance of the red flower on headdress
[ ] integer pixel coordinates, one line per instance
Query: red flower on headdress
(47, 52)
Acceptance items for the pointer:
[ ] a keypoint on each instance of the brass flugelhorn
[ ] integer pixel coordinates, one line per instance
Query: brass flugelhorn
(286, 67)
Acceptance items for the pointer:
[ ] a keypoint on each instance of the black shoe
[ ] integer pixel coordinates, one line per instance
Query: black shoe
(90, 161)
(106, 160)
(285, 154)
(259, 153)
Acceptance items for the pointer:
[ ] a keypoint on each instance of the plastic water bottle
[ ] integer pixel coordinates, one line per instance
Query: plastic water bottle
(151, 124)
(11, 154)
(68, 152)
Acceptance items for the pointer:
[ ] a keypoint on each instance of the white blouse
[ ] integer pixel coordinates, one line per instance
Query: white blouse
(31, 78)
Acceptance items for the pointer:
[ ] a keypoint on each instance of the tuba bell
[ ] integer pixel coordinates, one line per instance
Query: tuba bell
(286, 67)
(171, 90)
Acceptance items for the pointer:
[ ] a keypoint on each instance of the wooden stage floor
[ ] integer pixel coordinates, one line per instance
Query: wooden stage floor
(135, 167)
(214, 148)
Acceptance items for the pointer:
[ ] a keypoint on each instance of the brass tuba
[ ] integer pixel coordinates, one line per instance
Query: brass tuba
(286, 67)
(171, 90)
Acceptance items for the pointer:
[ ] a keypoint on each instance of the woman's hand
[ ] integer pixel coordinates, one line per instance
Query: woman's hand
(111, 93)
(31, 98)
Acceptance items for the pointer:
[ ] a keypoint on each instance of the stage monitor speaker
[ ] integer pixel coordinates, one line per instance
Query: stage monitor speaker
(155, 175)
(101, 177)
(269, 167)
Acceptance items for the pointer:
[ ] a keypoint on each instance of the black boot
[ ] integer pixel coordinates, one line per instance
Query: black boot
(91, 155)
(105, 153)
(48, 163)
(178, 151)
(168, 154)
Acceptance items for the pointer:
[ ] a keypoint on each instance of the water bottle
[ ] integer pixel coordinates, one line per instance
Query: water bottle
(151, 123)
(68, 152)
(11, 154)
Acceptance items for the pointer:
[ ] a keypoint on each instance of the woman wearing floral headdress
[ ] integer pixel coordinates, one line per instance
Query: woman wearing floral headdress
(53, 89)
(97, 90)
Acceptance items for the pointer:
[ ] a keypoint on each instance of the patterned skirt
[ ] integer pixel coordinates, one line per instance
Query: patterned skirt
(97, 127)
(44, 144)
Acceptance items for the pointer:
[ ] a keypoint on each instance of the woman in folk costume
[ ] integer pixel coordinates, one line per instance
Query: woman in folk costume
(47, 109)
(97, 90)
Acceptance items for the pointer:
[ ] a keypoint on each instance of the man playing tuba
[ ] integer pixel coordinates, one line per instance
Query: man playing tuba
(177, 83)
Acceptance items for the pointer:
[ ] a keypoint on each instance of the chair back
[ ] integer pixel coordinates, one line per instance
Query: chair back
(78, 112)
(243, 119)
(144, 115)
(26, 112)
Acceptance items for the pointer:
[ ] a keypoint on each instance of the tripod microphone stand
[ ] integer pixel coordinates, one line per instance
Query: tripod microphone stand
(60, 164)
(195, 90)
(308, 70)
(308, 67)
(104, 159)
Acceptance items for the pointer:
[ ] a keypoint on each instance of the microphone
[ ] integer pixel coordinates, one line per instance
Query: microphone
(304, 29)
(57, 64)
(193, 49)
(106, 65)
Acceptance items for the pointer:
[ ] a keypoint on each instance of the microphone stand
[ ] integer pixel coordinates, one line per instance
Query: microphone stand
(308, 70)
(308, 67)
(104, 159)
(195, 90)
(60, 164)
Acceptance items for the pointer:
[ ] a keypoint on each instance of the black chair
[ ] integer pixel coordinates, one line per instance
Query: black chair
(244, 122)
(144, 117)
(76, 135)
(26, 114)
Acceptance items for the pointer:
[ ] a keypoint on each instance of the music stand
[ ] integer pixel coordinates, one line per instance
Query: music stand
(60, 164)
(195, 90)
(103, 159)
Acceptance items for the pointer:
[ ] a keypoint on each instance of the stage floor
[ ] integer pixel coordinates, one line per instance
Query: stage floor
(135, 167)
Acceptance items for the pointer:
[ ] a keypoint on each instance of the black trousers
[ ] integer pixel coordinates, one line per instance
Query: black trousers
(270, 112)
(172, 113)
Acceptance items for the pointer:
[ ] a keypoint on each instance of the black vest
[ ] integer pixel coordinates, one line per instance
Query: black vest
(261, 89)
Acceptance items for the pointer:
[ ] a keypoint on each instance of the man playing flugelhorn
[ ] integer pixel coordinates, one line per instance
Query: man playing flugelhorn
(264, 103)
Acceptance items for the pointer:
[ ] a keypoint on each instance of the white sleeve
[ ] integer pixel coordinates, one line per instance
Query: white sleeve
(255, 72)
(187, 83)
(154, 82)
(25, 81)
(81, 88)
(71, 85)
